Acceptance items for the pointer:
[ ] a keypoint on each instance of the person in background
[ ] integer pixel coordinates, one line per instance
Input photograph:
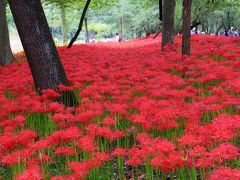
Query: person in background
(230, 32)
(117, 38)
(235, 32)
(193, 31)
(225, 33)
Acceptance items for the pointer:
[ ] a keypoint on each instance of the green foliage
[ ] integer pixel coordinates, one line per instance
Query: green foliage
(133, 18)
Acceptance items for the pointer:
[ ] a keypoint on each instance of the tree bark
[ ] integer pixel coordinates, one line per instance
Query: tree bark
(64, 25)
(86, 30)
(43, 59)
(6, 56)
(168, 22)
(186, 38)
(80, 24)
(44, 62)
(160, 10)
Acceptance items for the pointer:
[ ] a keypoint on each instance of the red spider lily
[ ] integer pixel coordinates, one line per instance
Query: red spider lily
(153, 92)
(226, 173)
(108, 121)
(65, 88)
(66, 136)
(17, 157)
(65, 151)
(168, 163)
(134, 161)
(49, 94)
(80, 169)
(119, 152)
(86, 143)
(33, 172)
(225, 151)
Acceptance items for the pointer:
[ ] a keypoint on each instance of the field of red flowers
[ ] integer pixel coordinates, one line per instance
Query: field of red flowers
(142, 114)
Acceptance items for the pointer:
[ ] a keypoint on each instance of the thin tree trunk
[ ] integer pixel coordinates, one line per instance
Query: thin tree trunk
(186, 38)
(86, 30)
(160, 10)
(64, 25)
(6, 56)
(121, 26)
(159, 30)
(80, 24)
(168, 22)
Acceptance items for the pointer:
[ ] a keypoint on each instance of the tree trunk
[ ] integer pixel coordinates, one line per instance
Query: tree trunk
(186, 38)
(160, 10)
(86, 30)
(168, 22)
(34, 32)
(43, 59)
(80, 24)
(122, 27)
(64, 25)
(6, 56)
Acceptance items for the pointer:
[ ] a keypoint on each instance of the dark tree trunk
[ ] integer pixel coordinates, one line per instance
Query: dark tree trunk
(43, 59)
(186, 38)
(229, 20)
(86, 30)
(80, 24)
(44, 62)
(160, 10)
(168, 22)
(6, 56)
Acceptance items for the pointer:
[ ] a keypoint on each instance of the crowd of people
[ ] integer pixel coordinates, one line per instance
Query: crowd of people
(231, 32)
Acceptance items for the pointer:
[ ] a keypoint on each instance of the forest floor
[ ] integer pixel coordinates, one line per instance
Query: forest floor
(142, 114)
(16, 44)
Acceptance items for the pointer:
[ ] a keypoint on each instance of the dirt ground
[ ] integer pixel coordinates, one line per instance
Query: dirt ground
(16, 44)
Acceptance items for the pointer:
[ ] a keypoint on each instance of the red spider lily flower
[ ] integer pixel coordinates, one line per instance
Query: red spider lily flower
(25, 137)
(121, 152)
(134, 161)
(108, 121)
(55, 107)
(100, 157)
(19, 120)
(86, 143)
(167, 163)
(225, 151)
(33, 172)
(49, 94)
(226, 173)
(65, 151)
(80, 169)
(65, 88)
(17, 157)
(62, 136)
(40, 145)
